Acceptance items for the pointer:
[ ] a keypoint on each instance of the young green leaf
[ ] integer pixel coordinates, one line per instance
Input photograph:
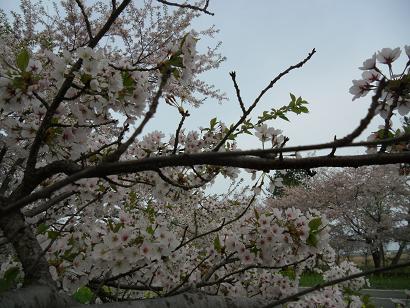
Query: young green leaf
(22, 59)
(84, 295)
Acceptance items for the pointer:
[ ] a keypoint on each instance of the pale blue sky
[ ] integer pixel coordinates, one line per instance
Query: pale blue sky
(261, 38)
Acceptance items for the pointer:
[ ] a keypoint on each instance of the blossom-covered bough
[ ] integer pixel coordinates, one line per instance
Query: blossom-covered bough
(91, 207)
(368, 208)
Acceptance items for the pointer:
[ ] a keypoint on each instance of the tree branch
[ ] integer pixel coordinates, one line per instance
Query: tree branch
(45, 124)
(87, 22)
(153, 108)
(256, 101)
(333, 282)
(46, 205)
(214, 159)
(189, 6)
(366, 120)
(238, 91)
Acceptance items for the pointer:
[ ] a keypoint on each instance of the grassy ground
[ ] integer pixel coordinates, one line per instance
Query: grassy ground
(398, 279)
(386, 281)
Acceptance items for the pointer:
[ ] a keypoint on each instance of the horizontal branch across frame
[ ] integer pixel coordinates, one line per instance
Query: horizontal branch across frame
(215, 159)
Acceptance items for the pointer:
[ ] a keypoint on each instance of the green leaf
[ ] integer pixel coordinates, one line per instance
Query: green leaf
(11, 274)
(176, 73)
(9, 279)
(127, 80)
(150, 230)
(83, 295)
(42, 228)
(256, 213)
(149, 294)
(293, 97)
(176, 61)
(4, 285)
(117, 227)
(315, 223)
(22, 59)
(312, 239)
(217, 244)
(86, 78)
(303, 109)
(367, 301)
(283, 117)
(288, 272)
(53, 234)
(213, 122)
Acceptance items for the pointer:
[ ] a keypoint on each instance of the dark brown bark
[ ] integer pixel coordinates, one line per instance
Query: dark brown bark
(377, 258)
(27, 248)
(399, 253)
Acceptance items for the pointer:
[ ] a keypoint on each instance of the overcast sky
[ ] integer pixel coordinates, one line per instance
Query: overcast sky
(261, 38)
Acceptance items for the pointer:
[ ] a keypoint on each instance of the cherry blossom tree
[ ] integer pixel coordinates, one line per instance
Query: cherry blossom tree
(368, 207)
(93, 207)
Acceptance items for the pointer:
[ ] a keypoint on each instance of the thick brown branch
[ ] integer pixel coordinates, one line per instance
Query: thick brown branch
(5, 185)
(35, 147)
(48, 204)
(215, 159)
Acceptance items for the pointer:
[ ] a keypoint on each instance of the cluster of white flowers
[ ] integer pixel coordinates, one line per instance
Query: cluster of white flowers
(150, 228)
(373, 74)
(345, 269)
(265, 133)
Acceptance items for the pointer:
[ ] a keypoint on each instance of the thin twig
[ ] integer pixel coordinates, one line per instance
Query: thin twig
(220, 227)
(87, 22)
(150, 113)
(181, 122)
(256, 101)
(238, 91)
(366, 120)
(189, 6)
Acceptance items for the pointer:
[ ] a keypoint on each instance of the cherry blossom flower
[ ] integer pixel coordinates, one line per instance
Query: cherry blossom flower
(388, 55)
(369, 64)
(264, 133)
(34, 66)
(360, 88)
(371, 76)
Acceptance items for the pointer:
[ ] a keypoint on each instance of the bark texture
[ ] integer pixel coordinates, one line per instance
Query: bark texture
(27, 248)
(37, 296)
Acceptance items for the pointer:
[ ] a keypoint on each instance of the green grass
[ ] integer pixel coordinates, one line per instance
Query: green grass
(390, 282)
(386, 281)
(310, 279)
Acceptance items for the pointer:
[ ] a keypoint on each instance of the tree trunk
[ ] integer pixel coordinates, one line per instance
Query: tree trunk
(383, 257)
(27, 248)
(36, 296)
(377, 258)
(398, 254)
